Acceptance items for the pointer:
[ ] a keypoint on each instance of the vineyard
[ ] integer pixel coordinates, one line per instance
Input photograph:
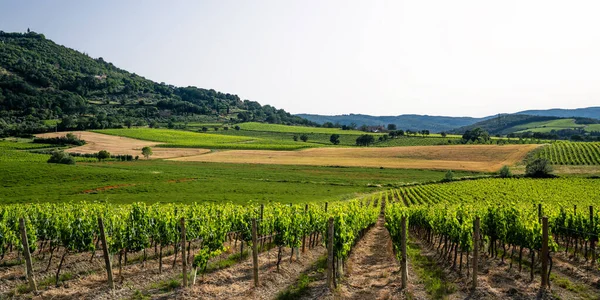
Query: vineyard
(510, 213)
(55, 232)
(569, 153)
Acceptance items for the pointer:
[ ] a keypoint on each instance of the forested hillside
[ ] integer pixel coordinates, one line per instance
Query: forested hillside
(544, 127)
(45, 86)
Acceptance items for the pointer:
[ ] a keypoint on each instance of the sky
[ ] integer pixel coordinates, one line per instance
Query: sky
(453, 58)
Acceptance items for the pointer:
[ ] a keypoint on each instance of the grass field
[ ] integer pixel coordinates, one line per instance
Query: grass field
(188, 139)
(167, 181)
(547, 126)
(253, 126)
(322, 139)
(482, 158)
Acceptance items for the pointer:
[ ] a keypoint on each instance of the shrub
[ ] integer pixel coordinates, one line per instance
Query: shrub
(60, 157)
(505, 172)
(449, 176)
(538, 168)
(69, 139)
(103, 154)
(365, 140)
(304, 137)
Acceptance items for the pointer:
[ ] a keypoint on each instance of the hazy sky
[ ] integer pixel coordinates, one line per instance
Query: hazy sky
(394, 57)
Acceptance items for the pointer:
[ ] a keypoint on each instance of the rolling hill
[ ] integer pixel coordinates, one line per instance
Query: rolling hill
(43, 84)
(588, 112)
(496, 124)
(523, 124)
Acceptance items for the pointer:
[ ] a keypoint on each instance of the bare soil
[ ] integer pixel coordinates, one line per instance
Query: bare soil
(485, 158)
(237, 282)
(117, 145)
(372, 272)
(497, 280)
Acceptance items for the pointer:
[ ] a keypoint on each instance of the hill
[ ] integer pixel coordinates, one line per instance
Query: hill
(496, 124)
(44, 85)
(412, 122)
(587, 112)
(542, 126)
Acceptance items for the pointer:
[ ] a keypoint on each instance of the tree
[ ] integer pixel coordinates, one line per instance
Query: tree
(365, 140)
(146, 152)
(391, 127)
(304, 137)
(103, 154)
(449, 176)
(60, 157)
(443, 134)
(538, 168)
(476, 135)
(204, 129)
(295, 138)
(505, 172)
(334, 139)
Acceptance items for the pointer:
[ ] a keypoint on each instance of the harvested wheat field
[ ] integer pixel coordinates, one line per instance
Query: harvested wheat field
(484, 158)
(117, 145)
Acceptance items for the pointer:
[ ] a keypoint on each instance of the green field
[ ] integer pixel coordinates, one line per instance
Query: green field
(188, 139)
(26, 177)
(548, 126)
(322, 139)
(524, 192)
(572, 153)
(254, 126)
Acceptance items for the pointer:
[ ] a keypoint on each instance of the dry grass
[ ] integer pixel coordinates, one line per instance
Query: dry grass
(484, 158)
(121, 145)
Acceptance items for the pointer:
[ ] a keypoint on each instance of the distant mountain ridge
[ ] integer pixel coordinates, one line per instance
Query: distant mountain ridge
(445, 123)
(412, 122)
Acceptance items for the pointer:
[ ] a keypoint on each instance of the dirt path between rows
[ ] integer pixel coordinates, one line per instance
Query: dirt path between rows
(372, 269)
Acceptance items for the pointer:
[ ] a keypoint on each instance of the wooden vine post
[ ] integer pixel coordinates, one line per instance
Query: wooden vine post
(330, 264)
(27, 254)
(254, 253)
(403, 262)
(183, 257)
(540, 212)
(593, 237)
(304, 234)
(109, 272)
(544, 256)
(475, 251)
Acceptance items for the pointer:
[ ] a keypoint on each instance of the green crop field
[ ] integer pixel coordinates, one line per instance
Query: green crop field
(188, 139)
(26, 177)
(593, 127)
(21, 144)
(510, 213)
(547, 126)
(295, 129)
(522, 191)
(572, 153)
